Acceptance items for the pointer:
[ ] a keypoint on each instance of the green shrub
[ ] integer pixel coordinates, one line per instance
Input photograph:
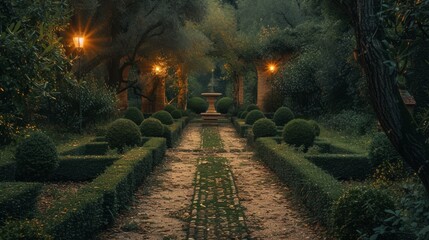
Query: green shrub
(172, 133)
(360, 209)
(252, 107)
(36, 158)
(264, 128)
(381, 149)
(197, 105)
(253, 116)
(315, 126)
(121, 133)
(170, 108)
(352, 122)
(24, 230)
(176, 114)
(164, 116)
(17, 199)
(243, 115)
(134, 114)
(158, 147)
(299, 132)
(282, 116)
(152, 127)
(92, 148)
(224, 104)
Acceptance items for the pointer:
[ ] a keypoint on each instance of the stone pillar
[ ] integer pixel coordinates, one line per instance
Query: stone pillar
(160, 94)
(264, 86)
(240, 90)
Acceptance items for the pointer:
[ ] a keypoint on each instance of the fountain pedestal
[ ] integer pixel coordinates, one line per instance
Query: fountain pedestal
(211, 114)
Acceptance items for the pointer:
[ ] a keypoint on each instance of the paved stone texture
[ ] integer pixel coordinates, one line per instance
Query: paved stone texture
(210, 191)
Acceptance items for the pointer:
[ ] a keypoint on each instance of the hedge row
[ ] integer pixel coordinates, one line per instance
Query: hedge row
(343, 166)
(92, 148)
(96, 205)
(317, 189)
(18, 199)
(7, 171)
(240, 126)
(158, 147)
(81, 168)
(172, 132)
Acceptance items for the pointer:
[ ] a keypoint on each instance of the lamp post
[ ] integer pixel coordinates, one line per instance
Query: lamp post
(79, 44)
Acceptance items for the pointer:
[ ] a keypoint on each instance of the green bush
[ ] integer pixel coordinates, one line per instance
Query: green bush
(351, 122)
(121, 133)
(381, 149)
(197, 105)
(264, 128)
(282, 116)
(243, 115)
(152, 127)
(170, 108)
(91, 148)
(158, 147)
(253, 116)
(252, 107)
(36, 158)
(299, 132)
(358, 211)
(172, 133)
(17, 199)
(134, 114)
(24, 230)
(176, 114)
(315, 126)
(164, 116)
(224, 104)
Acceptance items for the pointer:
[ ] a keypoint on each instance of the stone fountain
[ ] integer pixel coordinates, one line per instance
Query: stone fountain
(211, 114)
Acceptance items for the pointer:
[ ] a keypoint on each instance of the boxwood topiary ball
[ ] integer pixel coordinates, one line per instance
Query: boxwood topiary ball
(381, 149)
(123, 132)
(360, 209)
(134, 114)
(36, 158)
(176, 114)
(243, 115)
(253, 116)
(299, 132)
(315, 126)
(264, 128)
(170, 108)
(164, 116)
(282, 116)
(152, 127)
(224, 104)
(252, 107)
(197, 105)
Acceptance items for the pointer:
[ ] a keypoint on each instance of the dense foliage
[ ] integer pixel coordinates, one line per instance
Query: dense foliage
(282, 116)
(380, 150)
(122, 133)
(134, 114)
(36, 158)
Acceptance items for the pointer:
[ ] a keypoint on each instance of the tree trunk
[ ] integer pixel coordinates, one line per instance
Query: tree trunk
(394, 118)
(183, 88)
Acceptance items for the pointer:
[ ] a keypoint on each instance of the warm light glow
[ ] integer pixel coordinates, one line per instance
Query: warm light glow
(272, 67)
(157, 69)
(78, 42)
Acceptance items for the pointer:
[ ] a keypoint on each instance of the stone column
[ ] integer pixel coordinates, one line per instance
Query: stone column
(263, 86)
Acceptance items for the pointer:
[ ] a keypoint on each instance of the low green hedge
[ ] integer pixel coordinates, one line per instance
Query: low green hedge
(7, 171)
(92, 148)
(316, 189)
(343, 166)
(81, 168)
(18, 199)
(241, 127)
(172, 133)
(158, 147)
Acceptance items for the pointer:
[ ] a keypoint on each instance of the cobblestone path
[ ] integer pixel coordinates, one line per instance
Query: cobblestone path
(211, 187)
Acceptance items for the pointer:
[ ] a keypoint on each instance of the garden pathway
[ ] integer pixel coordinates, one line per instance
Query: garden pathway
(212, 187)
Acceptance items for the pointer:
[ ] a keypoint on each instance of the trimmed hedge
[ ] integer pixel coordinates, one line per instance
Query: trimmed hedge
(92, 148)
(152, 127)
(253, 116)
(343, 167)
(197, 105)
(123, 132)
(299, 132)
(172, 133)
(164, 116)
(81, 168)
(176, 114)
(158, 147)
(224, 104)
(134, 114)
(264, 128)
(18, 199)
(241, 127)
(170, 108)
(7, 171)
(282, 116)
(252, 107)
(317, 189)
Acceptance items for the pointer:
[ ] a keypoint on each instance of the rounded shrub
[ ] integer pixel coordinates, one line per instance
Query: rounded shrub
(252, 107)
(164, 116)
(315, 126)
(176, 114)
(358, 211)
(134, 114)
(170, 108)
(264, 128)
(197, 105)
(123, 132)
(381, 149)
(253, 116)
(36, 158)
(299, 132)
(152, 127)
(224, 104)
(282, 116)
(243, 115)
